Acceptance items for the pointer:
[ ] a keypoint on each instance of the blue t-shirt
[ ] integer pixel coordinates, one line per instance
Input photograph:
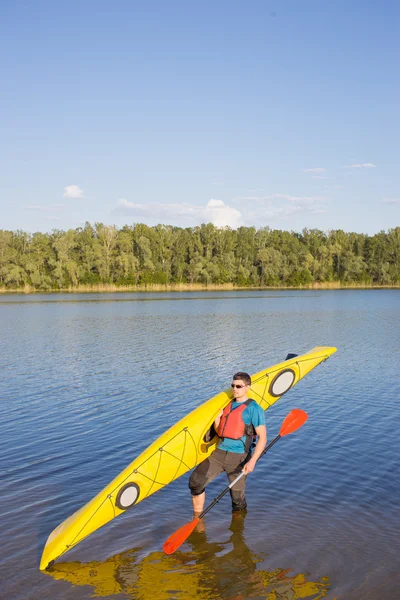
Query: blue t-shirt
(254, 415)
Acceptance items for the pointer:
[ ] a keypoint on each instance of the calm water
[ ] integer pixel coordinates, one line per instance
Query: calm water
(88, 381)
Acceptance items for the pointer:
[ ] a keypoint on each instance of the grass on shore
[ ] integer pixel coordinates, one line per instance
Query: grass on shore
(189, 287)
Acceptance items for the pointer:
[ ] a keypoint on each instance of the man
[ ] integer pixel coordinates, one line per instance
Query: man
(236, 425)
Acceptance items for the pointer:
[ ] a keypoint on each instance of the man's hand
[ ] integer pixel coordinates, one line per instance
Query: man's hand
(249, 466)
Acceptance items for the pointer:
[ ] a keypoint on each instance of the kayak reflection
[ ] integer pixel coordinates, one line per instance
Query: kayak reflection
(209, 571)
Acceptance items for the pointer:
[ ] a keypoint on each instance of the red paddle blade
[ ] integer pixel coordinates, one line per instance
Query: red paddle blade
(293, 421)
(176, 539)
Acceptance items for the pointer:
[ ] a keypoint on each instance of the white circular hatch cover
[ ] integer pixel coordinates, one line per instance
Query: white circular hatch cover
(282, 382)
(127, 496)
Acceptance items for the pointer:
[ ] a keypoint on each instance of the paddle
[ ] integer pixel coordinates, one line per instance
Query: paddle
(293, 421)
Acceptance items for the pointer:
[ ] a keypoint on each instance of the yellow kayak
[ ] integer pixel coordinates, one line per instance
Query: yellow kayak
(175, 452)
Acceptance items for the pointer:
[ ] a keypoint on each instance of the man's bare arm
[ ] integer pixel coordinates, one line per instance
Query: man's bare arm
(261, 432)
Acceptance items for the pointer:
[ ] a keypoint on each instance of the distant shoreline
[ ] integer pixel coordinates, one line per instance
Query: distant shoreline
(187, 287)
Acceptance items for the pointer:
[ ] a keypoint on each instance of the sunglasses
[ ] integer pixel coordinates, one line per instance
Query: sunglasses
(238, 387)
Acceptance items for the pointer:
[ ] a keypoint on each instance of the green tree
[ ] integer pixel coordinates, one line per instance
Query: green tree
(107, 236)
(270, 262)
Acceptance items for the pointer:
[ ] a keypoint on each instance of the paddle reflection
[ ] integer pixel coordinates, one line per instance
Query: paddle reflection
(225, 570)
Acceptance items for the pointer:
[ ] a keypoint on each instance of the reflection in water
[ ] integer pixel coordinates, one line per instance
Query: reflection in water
(209, 571)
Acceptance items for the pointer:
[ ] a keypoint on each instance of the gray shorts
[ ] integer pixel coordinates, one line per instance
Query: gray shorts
(220, 460)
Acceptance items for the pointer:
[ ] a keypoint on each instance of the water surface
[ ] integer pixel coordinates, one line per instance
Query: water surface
(88, 381)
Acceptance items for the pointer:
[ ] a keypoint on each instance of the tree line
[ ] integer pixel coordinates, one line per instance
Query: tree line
(141, 255)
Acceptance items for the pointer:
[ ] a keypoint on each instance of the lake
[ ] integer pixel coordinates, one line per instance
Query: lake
(88, 381)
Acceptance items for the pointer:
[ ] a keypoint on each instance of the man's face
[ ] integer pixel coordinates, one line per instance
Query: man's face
(239, 389)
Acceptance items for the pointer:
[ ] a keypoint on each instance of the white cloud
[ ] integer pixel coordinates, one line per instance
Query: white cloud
(391, 201)
(361, 166)
(295, 199)
(73, 191)
(282, 205)
(215, 211)
(222, 215)
(45, 208)
(315, 170)
(252, 210)
(319, 177)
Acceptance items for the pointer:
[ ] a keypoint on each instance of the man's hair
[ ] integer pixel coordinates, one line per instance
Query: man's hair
(243, 376)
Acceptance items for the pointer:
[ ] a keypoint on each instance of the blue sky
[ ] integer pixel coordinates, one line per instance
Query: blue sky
(268, 113)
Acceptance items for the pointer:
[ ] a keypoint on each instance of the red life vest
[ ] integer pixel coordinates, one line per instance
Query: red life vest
(232, 425)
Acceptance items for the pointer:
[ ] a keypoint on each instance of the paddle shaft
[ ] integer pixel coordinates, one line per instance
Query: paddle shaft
(226, 490)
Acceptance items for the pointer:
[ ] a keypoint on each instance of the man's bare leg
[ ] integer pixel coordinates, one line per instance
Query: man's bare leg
(198, 503)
